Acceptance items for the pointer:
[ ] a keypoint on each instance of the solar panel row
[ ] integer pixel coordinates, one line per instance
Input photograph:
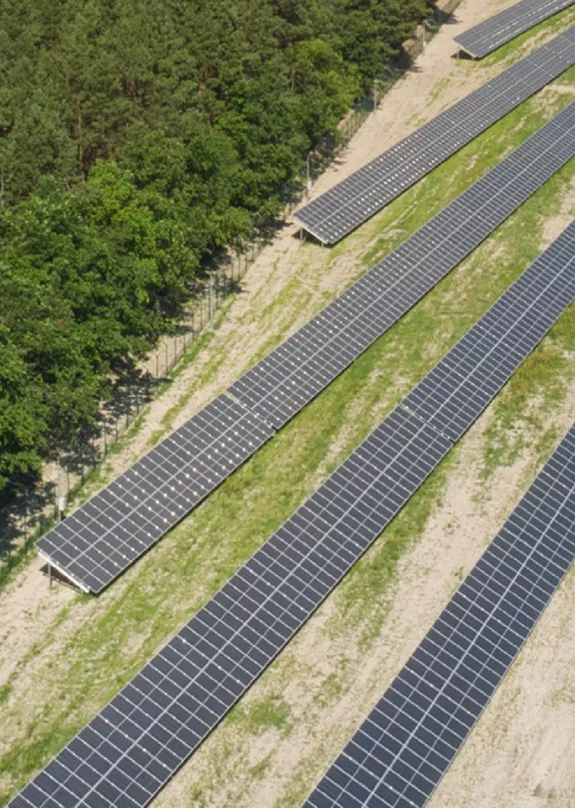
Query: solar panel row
(505, 26)
(126, 754)
(340, 210)
(405, 746)
(106, 535)
(458, 389)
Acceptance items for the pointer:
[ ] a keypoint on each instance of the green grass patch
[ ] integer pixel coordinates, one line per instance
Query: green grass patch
(331, 690)
(259, 771)
(260, 716)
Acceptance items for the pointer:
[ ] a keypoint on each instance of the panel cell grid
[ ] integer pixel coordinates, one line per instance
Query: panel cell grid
(403, 749)
(509, 23)
(351, 202)
(125, 755)
(116, 526)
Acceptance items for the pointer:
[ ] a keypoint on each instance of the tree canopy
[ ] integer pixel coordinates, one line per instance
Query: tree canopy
(137, 137)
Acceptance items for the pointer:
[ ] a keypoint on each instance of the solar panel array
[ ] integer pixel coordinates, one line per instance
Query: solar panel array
(103, 537)
(126, 754)
(505, 26)
(405, 746)
(340, 210)
(284, 381)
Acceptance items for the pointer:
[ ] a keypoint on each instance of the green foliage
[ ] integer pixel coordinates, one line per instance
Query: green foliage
(137, 137)
(22, 422)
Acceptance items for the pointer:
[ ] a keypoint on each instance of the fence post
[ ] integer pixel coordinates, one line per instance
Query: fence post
(211, 301)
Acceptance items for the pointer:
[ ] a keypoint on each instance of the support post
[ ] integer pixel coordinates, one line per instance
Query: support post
(211, 290)
(61, 504)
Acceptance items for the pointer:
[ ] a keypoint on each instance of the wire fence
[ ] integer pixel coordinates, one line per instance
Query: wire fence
(33, 510)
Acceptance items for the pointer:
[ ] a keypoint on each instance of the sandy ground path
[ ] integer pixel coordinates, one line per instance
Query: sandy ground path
(521, 752)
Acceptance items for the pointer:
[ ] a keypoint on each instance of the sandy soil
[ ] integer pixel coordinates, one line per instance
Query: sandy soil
(521, 752)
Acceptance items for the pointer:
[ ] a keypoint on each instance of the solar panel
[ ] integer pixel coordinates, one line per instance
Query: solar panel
(106, 535)
(505, 26)
(405, 746)
(125, 755)
(340, 210)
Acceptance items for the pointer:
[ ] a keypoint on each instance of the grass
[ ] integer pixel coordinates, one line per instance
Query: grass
(513, 422)
(98, 645)
(259, 771)
(269, 713)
